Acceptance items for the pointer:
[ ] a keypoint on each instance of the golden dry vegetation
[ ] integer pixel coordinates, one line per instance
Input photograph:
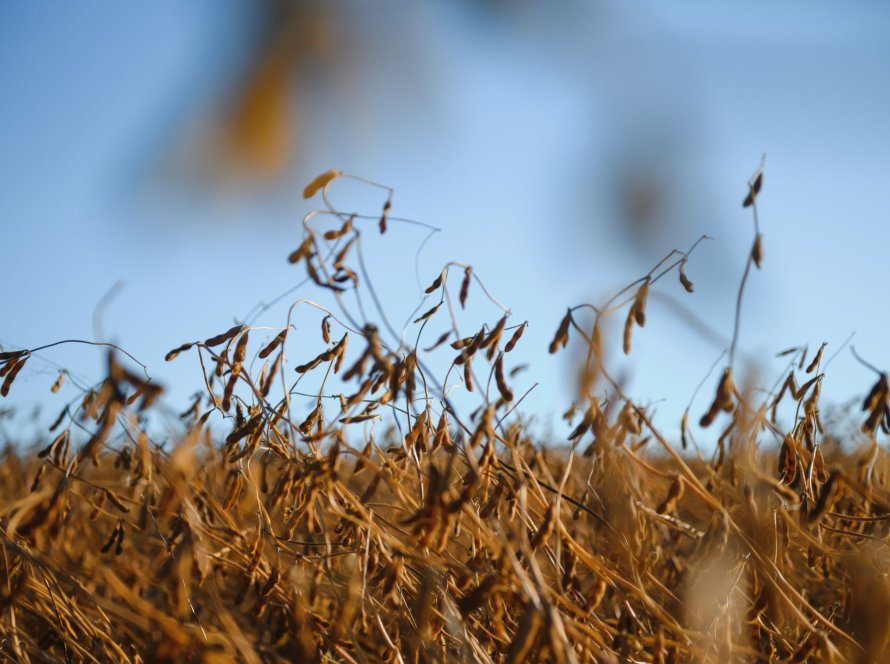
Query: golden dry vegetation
(385, 524)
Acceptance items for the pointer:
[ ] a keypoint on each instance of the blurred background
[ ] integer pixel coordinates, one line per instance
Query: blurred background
(561, 148)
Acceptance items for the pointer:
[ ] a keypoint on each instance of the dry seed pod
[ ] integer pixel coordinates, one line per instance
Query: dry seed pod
(595, 596)
(58, 420)
(819, 466)
(545, 529)
(37, 477)
(688, 285)
(708, 418)
(13, 372)
(877, 394)
(530, 626)
(221, 360)
(119, 549)
(355, 419)
(511, 344)
(803, 357)
(428, 313)
(176, 351)
(801, 392)
(366, 454)
(470, 350)
(340, 232)
(225, 336)
(754, 188)
(505, 391)
(244, 430)
(240, 353)
(442, 437)
(628, 330)
(561, 339)
(757, 251)
(436, 283)
(788, 461)
(266, 385)
(462, 343)
(675, 493)
(479, 595)
(725, 391)
(584, 425)
(441, 340)
(301, 252)
(876, 403)
(58, 384)
(639, 305)
(341, 255)
(465, 287)
(340, 352)
(722, 400)
(345, 274)
(306, 425)
(491, 342)
(468, 377)
(272, 581)
(234, 493)
(5, 356)
(116, 501)
(320, 182)
(117, 536)
(629, 419)
(816, 360)
(110, 543)
(53, 446)
(684, 425)
(228, 392)
(828, 498)
(418, 431)
(384, 216)
(272, 345)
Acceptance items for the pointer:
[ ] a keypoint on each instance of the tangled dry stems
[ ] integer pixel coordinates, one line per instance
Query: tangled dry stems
(384, 524)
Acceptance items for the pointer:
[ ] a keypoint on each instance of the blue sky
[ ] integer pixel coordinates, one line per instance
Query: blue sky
(518, 133)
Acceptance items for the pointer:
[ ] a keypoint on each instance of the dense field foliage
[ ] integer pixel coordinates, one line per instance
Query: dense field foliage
(389, 523)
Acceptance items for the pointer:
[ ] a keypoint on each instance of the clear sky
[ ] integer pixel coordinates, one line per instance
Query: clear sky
(562, 153)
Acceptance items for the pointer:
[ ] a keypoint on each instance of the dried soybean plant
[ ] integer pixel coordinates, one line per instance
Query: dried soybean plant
(791, 542)
(355, 505)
